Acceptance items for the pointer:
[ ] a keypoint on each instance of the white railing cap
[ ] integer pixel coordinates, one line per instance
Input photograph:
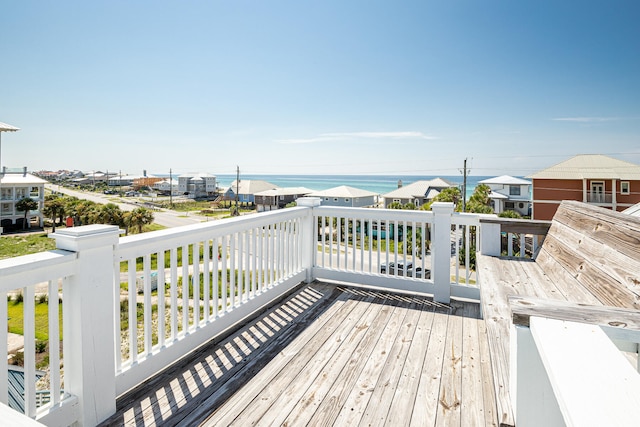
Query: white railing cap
(309, 202)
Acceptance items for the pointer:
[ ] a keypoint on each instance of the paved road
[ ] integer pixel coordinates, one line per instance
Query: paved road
(164, 217)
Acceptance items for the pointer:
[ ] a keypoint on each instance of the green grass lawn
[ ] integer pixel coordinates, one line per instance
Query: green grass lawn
(16, 319)
(12, 246)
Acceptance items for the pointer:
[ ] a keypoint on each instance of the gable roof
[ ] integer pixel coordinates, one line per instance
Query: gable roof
(286, 191)
(590, 166)
(343, 191)
(251, 186)
(505, 180)
(419, 189)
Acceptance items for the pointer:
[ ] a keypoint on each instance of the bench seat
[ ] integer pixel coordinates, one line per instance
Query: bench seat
(590, 256)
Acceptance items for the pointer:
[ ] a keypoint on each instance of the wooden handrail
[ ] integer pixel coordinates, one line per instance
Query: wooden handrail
(515, 225)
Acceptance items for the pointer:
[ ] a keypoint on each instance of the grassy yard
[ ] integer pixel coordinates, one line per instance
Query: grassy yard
(16, 319)
(12, 246)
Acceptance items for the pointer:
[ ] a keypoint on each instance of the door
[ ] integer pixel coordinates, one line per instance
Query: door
(597, 192)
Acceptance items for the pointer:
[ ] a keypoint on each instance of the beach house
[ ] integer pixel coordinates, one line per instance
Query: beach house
(197, 185)
(17, 184)
(346, 196)
(417, 193)
(509, 193)
(278, 198)
(247, 189)
(589, 178)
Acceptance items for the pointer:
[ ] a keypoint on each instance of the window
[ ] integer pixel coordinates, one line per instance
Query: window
(625, 187)
(509, 205)
(346, 200)
(34, 192)
(514, 190)
(335, 199)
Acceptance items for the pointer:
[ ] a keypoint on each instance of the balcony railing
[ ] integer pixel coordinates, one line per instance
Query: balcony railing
(132, 305)
(599, 198)
(172, 290)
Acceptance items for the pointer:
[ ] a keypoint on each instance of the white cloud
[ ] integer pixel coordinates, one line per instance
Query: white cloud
(586, 119)
(334, 136)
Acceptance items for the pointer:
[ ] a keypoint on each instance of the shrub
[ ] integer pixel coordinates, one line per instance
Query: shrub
(42, 299)
(19, 298)
(41, 346)
(18, 359)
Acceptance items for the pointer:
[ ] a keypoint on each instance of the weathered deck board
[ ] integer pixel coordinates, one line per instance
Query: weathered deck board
(325, 357)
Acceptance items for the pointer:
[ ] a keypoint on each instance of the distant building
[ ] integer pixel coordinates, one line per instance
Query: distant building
(346, 196)
(247, 190)
(509, 194)
(168, 187)
(589, 178)
(14, 186)
(278, 198)
(418, 193)
(197, 185)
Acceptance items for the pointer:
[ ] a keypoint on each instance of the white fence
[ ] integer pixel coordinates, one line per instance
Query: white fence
(199, 280)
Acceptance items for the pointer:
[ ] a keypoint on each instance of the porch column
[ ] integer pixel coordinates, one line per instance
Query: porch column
(88, 320)
(309, 239)
(441, 252)
(614, 190)
(584, 190)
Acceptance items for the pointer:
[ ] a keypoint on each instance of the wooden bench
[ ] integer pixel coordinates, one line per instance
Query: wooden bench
(589, 256)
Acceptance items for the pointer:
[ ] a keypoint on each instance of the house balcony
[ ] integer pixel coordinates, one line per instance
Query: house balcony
(282, 317)
(600, 198)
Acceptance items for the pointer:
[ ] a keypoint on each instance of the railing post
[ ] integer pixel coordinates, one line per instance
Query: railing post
(441, 251)
(88, 320)
(490, 239)
(309, 240)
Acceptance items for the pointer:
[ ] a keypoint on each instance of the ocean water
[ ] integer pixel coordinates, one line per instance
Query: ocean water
(380, 184)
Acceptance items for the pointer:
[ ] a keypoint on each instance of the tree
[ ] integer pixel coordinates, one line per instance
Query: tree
(479, 201)
(138, 218)
(450, 194)
(509, 214)
(25, 205)
(110, 214)
(53, 208)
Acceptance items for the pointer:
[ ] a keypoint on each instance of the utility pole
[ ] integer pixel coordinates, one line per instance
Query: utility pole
(237, 188)
(464, 187)
(171, 188)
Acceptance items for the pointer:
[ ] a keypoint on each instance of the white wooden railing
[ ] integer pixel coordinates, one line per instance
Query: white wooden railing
(511, 237)
(120, 330)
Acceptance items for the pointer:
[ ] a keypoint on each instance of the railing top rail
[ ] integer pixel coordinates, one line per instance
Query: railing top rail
(375, 214)
(30, 269)
(517, 225)
(168, 238)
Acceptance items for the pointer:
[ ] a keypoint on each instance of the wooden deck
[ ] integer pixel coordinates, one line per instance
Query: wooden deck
(328, 355)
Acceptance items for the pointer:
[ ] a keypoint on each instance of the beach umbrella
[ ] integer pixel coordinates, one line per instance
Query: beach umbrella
(5, 128)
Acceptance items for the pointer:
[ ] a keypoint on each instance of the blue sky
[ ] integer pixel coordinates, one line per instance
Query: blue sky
(297, 87)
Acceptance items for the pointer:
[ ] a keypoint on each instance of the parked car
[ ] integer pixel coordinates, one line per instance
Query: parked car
(402, 267)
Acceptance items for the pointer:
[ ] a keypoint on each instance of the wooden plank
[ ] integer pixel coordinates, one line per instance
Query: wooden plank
(603, 286)
(355, 404)
(521, 226)
(488, 385)
(523, 308)
(377, 410)
(283, 392)
(404, 399)
(472, 401)
(613, 229)
(321, 403)
(265, 372)
(427, 395)
(622, 269)
(451, 381)
(496, 313)
(212, 359)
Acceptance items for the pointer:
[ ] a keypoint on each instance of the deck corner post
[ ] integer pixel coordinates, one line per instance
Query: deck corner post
(309, 239)
(88, 320)
(490, 239)
(441, 250)
(532, 395)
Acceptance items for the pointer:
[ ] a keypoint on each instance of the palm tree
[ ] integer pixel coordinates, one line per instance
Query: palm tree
(140, 217)
(25, 205)
(53, 208)
(110, 214)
